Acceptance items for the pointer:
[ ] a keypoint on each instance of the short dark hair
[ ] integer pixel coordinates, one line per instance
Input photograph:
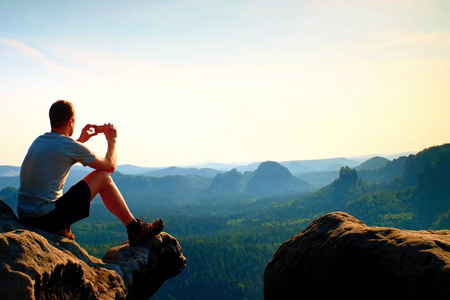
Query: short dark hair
(60, 113)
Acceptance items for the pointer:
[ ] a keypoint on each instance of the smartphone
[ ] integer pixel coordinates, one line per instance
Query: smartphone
(99, 128)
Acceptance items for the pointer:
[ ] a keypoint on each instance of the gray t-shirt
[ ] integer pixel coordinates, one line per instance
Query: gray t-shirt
(44, 172)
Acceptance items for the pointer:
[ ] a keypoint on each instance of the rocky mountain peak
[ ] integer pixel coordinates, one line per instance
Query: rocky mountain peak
(36, 264)
(272, 169)
(348, 175)
(269, 178)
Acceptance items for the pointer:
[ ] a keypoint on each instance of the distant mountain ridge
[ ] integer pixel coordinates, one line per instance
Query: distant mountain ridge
(298, 167)
(269, 179)
(272, 178)
(316, 172)
(172, 171)
(373, 163)
(9, 171)
(389, 171)
(230, 182)
(134, 170)
(406, 191)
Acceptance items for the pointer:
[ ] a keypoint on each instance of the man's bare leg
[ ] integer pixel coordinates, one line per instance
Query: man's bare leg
(101, 183)
(138, 232)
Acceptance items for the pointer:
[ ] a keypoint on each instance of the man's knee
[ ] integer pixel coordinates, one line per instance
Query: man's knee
(98, 178)
(98, 181)
(101, 175)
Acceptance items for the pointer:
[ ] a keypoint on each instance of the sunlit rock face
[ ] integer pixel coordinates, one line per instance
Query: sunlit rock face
(339, 256)
(36, 264)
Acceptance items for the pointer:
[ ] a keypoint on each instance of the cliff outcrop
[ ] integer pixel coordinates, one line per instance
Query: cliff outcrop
(339, 256)
(35, 264)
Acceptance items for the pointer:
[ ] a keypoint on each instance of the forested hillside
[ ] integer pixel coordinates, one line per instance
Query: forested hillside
(229, 233)
(388, 171)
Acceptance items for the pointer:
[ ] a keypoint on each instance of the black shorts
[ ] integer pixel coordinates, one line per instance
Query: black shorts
(71, 207)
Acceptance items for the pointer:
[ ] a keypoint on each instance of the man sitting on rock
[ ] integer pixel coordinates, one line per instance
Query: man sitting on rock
(41, 202)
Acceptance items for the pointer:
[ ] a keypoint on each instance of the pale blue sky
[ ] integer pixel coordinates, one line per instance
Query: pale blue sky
(229, 81)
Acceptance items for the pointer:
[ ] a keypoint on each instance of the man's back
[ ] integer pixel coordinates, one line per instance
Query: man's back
(44, 172)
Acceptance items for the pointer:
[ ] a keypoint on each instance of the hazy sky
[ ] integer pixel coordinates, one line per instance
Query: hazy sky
(229, 81)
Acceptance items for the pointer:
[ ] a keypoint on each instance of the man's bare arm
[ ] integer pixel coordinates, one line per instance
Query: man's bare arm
(109, 162)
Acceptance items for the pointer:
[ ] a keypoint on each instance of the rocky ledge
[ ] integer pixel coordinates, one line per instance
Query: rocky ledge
(338, 256)
(35, 264)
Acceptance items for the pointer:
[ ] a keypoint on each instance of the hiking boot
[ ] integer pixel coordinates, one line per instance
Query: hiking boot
(145, 232)
(67, 233)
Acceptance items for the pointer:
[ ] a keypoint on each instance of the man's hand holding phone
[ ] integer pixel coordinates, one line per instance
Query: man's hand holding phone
(90, 130)
(87, 132)
(109, 130)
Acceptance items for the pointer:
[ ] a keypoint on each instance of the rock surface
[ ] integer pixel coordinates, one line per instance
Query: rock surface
(339, 256)
(35, 264)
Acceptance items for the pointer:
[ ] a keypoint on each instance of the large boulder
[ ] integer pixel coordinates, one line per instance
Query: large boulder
(339, 256)
(35, 264)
